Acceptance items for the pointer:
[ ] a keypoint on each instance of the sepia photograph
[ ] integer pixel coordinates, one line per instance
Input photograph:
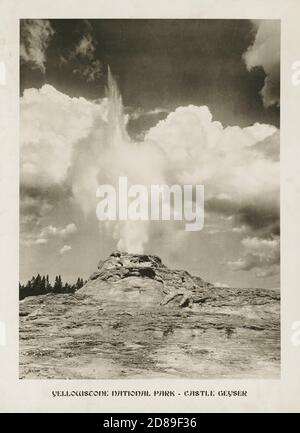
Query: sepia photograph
(149, 242)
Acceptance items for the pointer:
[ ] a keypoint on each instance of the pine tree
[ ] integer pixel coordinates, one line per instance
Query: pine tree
(40, 285)
(28, 288)
(79, 283)
(49, 287)
(43, 285)
(58, 284)
(22, 293)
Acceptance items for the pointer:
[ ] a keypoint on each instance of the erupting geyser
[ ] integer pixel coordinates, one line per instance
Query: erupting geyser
(140, 163)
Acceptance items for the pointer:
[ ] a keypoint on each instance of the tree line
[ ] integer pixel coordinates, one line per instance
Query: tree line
(40, 285)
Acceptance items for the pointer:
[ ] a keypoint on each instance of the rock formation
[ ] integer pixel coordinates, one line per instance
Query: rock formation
(135, 317)
(146, 277)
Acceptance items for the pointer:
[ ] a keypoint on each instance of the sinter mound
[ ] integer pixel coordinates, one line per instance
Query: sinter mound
(147, 276)
(136, 318)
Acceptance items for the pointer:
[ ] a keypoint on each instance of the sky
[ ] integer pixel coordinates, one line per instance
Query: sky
(198, 102)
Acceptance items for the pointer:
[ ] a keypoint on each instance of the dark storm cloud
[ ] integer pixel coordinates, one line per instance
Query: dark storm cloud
(36, 202)
(142, 120)
(262, 219)
(260, 226)
(81, 57)
(52, 192)
(161, 63)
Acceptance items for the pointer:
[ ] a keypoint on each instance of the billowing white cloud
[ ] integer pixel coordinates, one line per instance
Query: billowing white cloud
(51, 231)
(81, 144)
(51, 124)
(200, 150)
(35, 38)
(265, 52)
(42, 236)
(65, 249)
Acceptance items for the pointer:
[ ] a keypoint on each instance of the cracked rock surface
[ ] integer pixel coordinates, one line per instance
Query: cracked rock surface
(136, 318)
